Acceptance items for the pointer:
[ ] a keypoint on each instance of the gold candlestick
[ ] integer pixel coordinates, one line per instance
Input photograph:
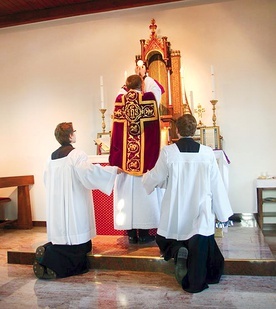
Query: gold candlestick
(214, 118)
(103, 110)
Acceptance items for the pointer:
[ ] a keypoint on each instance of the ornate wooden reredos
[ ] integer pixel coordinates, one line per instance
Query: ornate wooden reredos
(163, 64)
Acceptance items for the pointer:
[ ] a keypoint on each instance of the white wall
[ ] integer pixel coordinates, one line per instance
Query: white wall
(50, 72)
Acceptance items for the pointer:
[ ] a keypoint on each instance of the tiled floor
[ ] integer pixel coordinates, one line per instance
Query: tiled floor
(110, 289)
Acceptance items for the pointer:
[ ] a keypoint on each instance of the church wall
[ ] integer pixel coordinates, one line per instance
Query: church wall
(50, 73)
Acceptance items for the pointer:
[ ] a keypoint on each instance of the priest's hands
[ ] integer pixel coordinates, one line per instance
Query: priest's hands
(141, 71)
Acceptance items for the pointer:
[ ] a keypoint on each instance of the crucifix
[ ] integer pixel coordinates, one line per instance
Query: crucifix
(199, 110)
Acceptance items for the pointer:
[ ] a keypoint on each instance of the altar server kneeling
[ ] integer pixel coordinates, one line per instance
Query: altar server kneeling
(69, 179)
(195, 196)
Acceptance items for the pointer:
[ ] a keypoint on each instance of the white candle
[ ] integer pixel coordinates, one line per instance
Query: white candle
(125, 76)
(192, 101)
(169, 88)
(213, 82)
(102, 92)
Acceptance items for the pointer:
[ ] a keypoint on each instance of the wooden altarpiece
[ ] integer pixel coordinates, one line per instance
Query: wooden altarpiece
(163, 64)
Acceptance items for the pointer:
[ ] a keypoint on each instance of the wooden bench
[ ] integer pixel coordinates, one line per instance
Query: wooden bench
(4, 200)
(24, 212)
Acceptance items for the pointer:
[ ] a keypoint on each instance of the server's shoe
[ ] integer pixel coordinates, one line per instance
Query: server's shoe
(42, 272)
(50, 274)
(181, 264)
(38, 269)
(146, 239)
(39, 253)
(132, 240)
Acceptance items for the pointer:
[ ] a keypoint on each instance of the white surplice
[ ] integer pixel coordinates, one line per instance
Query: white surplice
(70, 210)
(133, 207)
(195, 193)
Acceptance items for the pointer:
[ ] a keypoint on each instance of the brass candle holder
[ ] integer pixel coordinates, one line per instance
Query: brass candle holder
(103, 110)
(214, 118)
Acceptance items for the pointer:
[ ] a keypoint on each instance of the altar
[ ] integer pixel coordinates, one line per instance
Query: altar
(163, 64)
(103, 204)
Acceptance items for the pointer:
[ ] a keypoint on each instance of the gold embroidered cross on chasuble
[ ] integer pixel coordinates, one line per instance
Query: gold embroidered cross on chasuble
(135, 141)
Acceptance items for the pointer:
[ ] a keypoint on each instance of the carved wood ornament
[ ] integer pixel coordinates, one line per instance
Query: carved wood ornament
(163, 64)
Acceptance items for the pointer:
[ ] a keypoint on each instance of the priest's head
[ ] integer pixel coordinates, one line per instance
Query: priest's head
(186, 125)
(134, 82)
(64, 133)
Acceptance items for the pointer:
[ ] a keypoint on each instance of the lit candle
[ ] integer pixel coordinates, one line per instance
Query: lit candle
(102, 92)
(213, 82)
(192, 101)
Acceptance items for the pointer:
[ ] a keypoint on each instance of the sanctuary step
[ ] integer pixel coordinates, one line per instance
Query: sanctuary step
(243, 247)
(145, 260)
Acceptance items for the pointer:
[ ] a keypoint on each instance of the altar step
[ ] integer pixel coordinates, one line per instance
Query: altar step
(245, 267)
(244, 248)
(149, 264)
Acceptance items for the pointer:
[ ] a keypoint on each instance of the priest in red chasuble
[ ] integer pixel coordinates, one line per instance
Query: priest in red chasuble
(135, 147)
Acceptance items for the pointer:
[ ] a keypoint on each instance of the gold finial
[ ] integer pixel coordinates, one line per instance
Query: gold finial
(153, 27)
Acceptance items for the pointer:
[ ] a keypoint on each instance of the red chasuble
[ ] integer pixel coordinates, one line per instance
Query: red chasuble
(135, 139)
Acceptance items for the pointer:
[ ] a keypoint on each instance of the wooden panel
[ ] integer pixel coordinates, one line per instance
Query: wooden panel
(15, 181)
(4, 200)
(24, 216)
(17, 12)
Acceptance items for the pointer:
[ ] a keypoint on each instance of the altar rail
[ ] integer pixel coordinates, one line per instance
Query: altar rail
(24, 213)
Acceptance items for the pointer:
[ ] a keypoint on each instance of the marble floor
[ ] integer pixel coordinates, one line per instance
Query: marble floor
(118, 287)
